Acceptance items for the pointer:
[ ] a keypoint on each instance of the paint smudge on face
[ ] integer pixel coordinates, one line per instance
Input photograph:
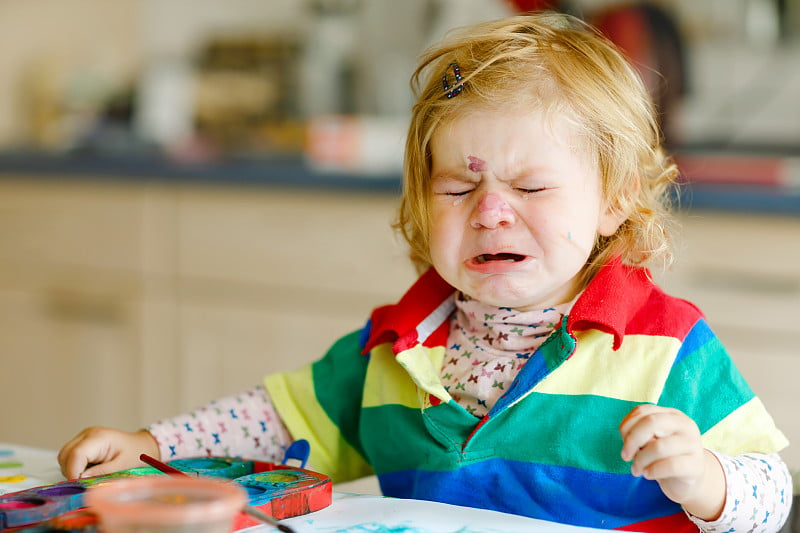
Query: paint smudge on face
(476, 164)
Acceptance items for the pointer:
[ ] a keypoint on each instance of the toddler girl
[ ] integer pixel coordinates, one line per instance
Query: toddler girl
(534, 368)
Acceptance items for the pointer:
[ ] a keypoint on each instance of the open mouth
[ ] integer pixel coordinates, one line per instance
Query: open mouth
(511, 258)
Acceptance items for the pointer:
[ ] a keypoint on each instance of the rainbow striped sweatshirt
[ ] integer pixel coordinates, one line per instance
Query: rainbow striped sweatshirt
(550, 447)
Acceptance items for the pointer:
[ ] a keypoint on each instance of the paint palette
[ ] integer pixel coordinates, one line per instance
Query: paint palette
(279, 490)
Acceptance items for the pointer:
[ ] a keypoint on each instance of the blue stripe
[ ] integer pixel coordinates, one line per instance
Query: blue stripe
(561, 494)
(698, 336)
(554, 351)
(365, 332)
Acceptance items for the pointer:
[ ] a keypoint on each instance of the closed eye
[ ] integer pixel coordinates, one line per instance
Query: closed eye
(457, 193)
(531, 191)
(450, 187)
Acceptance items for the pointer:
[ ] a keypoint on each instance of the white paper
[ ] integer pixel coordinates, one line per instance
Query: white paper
(356, 513)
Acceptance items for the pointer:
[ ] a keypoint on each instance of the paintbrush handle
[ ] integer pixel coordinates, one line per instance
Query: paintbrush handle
(158, 465)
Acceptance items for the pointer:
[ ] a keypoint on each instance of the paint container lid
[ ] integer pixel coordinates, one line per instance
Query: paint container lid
(162, 503)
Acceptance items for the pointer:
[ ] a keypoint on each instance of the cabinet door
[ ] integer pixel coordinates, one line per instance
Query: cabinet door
(229, 346)
(68, 361)
(82, 313)
(268, 279)
(316, 242)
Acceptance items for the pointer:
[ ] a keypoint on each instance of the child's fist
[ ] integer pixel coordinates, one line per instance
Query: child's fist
(96, 451)
(664, 445)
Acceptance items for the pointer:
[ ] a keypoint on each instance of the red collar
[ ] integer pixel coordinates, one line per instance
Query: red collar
(616, 293)
(612, 298)
(391, 323)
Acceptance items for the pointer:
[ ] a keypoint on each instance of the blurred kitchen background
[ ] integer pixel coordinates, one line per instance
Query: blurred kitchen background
(188, 187)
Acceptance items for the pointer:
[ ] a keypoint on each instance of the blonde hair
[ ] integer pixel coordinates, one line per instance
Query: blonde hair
(559, 65)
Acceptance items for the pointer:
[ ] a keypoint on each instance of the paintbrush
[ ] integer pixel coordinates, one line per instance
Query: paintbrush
(248, 510)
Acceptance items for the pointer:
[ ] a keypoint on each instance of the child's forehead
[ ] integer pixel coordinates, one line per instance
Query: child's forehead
(560, 125)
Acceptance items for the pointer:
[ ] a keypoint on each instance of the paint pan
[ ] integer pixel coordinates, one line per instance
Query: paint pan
(224, 467)
(166, 504)
(280, 491)
(26, 508)
(286, 492)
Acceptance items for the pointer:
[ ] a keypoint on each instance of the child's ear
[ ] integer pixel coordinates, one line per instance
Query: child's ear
(611, 218)
(615, 211)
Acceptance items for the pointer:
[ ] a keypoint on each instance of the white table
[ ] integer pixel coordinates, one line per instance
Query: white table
(349, 513)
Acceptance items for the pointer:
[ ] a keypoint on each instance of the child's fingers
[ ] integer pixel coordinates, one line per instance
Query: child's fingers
(67, 448)
(101, 469)
(89, 447)
(672, 467)
(646, 423)
(661, 451)
(73, 465)
(638, 413)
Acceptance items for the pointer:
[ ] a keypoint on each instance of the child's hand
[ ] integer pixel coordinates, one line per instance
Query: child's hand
(664, 445)
(97, 451)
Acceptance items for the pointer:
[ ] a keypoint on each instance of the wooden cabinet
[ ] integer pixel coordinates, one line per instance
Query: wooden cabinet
(121, 303)
(268, 279)
(80, 274)
(124, 303)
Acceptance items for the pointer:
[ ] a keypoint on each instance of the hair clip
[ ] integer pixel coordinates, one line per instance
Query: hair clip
(455, 91)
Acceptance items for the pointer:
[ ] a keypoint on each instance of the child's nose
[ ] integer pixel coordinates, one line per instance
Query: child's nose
(492, 211)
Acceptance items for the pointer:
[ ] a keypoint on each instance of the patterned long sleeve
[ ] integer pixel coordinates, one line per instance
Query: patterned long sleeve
(759, 495)
(241, 425)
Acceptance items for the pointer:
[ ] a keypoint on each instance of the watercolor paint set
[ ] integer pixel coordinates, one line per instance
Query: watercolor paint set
(279, 490)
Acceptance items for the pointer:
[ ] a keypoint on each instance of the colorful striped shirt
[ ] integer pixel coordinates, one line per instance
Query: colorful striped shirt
(549, 448)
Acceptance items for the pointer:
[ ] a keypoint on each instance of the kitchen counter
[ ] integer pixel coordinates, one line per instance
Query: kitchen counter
(289, 171)
(296, 172)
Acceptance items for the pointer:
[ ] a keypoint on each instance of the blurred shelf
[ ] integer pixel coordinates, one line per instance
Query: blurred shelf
(286, 171)
(707, 183)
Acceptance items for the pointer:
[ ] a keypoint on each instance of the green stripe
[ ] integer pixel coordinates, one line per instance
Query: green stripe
(572, 430)
(558, 347)
(399, 440)
(338, 385)
(706, 385)
(577, 431)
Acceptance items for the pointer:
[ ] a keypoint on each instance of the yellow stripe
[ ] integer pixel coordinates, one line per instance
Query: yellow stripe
(405, 379)
(294, 398)
(424, 366)
(387, 381)
(636, 372)
(749, 428)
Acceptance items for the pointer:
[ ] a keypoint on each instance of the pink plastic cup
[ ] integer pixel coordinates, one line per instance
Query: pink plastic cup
(162, 504)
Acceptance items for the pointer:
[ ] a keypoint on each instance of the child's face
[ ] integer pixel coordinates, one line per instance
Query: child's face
(516, 207)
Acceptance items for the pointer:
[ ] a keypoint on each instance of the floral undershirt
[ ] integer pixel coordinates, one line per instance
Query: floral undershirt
(487, 347)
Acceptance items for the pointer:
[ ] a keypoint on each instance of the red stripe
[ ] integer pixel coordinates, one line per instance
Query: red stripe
(676, 523)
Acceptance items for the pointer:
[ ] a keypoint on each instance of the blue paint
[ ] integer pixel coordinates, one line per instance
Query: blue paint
(376, 527)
